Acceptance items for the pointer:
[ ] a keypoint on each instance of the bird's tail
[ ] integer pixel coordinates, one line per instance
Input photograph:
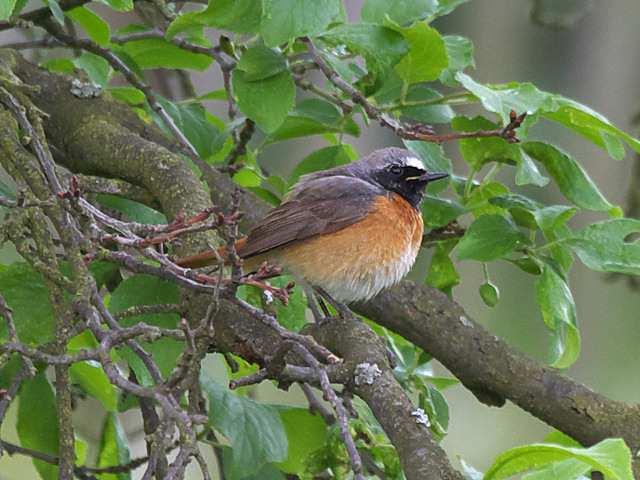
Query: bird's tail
(209, 257)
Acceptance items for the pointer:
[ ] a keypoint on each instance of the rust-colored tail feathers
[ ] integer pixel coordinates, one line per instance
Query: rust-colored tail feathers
(209, 257)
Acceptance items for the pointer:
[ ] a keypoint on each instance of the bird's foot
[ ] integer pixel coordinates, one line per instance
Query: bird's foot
(342, 310)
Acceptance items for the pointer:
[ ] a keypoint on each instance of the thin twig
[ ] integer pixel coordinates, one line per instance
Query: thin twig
(338, 406)
(315, 406)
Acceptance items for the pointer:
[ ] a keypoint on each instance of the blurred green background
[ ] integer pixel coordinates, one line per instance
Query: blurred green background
(595, 62)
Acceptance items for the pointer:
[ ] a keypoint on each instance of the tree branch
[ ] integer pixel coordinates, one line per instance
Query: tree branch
(493, 371)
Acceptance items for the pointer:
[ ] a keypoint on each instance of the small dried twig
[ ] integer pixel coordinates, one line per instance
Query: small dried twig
(147, 310)
(449, 231)
(252, 379)
(338, 406)
(305, 340)
(315, 405)
(27, 370)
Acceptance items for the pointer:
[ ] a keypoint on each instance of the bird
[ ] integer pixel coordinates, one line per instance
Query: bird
(350, 231)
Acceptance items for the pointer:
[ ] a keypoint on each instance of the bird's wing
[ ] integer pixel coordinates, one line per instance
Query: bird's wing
(318, 206)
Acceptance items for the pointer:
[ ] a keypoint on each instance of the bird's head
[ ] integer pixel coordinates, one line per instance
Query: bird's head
(400, 171)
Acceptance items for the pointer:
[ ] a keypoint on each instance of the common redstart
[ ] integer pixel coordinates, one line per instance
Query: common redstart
(352, 230)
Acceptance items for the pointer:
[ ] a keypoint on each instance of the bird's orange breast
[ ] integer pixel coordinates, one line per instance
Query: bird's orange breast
(357, 262)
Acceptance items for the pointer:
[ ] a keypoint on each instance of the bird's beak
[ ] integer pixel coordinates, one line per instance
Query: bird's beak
(429, 177)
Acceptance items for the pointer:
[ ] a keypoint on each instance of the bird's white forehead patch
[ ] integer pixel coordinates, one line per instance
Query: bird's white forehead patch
(414, 162)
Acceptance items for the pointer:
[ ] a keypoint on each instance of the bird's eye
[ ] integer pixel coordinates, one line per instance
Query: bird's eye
(395, 169)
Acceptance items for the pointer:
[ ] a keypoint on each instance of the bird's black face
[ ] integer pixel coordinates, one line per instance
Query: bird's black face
(406, 177)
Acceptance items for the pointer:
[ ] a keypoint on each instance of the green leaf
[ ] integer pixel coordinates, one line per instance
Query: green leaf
(528, 172)
(567, 469)
(432, 155)
(266, 101)
(427, 56)
(129, 95)
(445, 7)
(438, 212)
(291, 316)
(442, 272)
(606, 247)
(614, 145)
(520, 207)
(7, 190)
(37, 423)
(114, 448)
(521, 97)
(19, 6)
(198, 126)
(559, 314)
(9, 370)
(460, 54)
(525, 97)
(219, 94)
(426, 113)
(255, 431)
(159, 53)
(95, 27)
(133, 210)
(284, 20)
(233, 469)
(248, 177)
(591, 125)
(490, 294)
(121, 5)
(560, 438)
(6, 9)
(401, 12)
(305, 432)
(478, 151)
(527, 264)
(57, 12)
(241, 16)
(469, 472)
(92, 379)
(314, 116)
(480, 198)
(327, 157)
(381, 47)
(261, 62)
(552, 221)
(571, 178)
(58, 65)
(28, 297)
(554, 217)
(97, 68)
(148, 290)
(611, 457)
(489, 238)
(437, 408)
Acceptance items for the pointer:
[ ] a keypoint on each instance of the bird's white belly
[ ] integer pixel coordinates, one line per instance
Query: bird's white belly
(365, 279)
